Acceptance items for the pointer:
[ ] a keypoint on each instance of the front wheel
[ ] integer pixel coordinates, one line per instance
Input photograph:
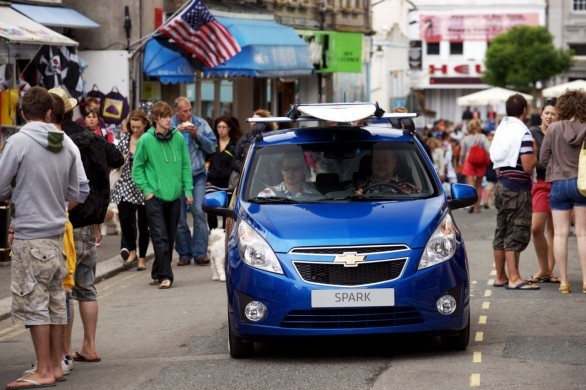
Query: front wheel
(458, 341)
(238, 347)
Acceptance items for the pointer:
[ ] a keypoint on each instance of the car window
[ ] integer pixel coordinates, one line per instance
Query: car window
(337, 171)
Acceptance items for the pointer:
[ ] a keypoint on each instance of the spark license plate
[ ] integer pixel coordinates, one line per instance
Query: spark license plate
(353, 298)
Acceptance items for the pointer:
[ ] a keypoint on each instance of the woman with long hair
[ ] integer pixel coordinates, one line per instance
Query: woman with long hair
(541, 220)
(560, 153)
(128, 197)
(474, 173)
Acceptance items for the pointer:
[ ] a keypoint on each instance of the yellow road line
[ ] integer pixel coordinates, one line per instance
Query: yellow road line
(490, 282)
(477, 358)
(479, 337)
(485, 305)
(493, 272)
(8, 329)
(487, 293)
(10, 335)
(482, 320)
(475, 380)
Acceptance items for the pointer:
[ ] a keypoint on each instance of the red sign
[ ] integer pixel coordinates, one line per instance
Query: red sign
(482, 27)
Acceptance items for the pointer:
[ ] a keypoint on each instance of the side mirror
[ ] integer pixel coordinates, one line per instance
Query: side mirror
(463, 195)
(216, 203)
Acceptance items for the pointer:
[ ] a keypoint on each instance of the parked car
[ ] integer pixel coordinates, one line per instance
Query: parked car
(343, 228)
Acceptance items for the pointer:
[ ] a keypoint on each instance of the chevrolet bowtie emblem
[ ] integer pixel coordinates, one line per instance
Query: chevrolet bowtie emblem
(349, 259)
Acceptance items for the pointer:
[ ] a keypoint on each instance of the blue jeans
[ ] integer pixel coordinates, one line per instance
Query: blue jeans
(191, 246)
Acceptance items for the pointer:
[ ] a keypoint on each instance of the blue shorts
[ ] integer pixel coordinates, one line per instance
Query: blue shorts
(564, 195)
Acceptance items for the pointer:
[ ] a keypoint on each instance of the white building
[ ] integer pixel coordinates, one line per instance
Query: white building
(452, 36)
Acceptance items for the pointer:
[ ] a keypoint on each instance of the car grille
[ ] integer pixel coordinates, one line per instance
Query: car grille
(361, 250)
(340, 275)
(352, 318)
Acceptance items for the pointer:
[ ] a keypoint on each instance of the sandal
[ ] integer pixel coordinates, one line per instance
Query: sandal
(165, 284)
(565, 288)
(584, 289)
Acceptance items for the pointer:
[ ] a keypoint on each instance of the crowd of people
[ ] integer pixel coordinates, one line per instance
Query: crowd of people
(166, 162)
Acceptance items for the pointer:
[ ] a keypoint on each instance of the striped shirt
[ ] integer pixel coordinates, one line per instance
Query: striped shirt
(515, 178)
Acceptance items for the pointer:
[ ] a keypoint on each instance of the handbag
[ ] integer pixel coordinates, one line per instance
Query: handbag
(478, 155)
(582, 170)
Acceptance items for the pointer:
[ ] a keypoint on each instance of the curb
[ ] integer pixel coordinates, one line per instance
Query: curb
(104, 270)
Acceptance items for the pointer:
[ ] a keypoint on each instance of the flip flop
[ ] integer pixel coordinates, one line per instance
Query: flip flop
(78, 357)
(505, 284)
(31, 384)
(520, 286)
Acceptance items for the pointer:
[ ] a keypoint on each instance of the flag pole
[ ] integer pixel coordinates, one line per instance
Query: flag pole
(143, 40)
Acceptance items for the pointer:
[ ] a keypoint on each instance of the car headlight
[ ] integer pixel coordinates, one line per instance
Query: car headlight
(255, 251)
(441, 245)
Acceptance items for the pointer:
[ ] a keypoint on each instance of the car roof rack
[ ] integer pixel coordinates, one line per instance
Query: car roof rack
(337, 112)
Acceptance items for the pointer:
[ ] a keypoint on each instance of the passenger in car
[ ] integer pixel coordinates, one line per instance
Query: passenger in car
(293, 169)
(387, 176)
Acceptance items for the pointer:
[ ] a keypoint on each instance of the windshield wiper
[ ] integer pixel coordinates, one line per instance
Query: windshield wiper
(273, 199)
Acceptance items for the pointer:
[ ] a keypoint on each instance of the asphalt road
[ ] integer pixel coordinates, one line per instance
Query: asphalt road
(161, 339)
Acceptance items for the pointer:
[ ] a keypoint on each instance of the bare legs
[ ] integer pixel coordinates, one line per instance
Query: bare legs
(561, 228)
(88, 311)
(476, 182)
(542, 234)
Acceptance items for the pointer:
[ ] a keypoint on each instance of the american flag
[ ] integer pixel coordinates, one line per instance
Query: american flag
(196, 30)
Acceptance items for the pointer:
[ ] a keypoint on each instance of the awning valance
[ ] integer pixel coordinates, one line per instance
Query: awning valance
(269, 49)
(55, 16)
(16, 27)
(168, 65)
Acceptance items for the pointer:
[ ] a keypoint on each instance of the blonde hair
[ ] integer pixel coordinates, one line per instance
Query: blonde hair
(474, 126)
(265, 114)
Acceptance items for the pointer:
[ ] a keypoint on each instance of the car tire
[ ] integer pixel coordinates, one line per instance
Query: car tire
(458, 341)
(237, 346)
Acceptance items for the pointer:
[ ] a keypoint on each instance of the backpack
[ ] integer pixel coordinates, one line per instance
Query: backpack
(115, 107)
(478, 155)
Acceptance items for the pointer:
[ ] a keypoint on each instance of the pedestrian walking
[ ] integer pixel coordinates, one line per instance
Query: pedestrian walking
(560, 153)
(474, 171)
(162, 172)
(39, 176)
(513, 153)
(127, 196)
(542, 221)
(201, 142)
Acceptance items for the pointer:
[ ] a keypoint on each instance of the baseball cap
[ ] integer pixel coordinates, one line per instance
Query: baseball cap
(68, 102)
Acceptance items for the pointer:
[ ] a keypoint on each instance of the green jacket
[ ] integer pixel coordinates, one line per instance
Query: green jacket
(162, 167)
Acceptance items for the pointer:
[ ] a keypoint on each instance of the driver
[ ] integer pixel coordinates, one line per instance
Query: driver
(385, 177)
(293, 169)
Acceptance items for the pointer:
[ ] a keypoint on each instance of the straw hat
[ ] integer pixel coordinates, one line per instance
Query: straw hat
(68, 102)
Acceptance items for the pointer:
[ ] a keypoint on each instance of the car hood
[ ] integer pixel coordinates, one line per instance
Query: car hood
(339, 224)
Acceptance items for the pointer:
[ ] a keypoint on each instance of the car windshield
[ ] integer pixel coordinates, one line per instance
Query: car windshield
(338, 172)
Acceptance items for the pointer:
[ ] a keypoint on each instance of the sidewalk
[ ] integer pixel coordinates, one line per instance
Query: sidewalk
(109, 264)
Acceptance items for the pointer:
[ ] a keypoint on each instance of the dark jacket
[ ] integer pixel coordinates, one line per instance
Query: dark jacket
(221, 165)
(538, 136)
(98, 157)
(243, 145)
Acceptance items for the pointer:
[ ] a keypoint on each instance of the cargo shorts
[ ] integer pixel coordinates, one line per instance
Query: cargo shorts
(85, 269)
(513, 220)
(37, 270)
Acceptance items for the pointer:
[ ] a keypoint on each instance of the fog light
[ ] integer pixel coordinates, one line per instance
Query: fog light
(255, 311)
(446, 305)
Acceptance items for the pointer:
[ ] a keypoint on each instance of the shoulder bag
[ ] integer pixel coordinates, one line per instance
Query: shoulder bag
(582, 170)
(477, 155)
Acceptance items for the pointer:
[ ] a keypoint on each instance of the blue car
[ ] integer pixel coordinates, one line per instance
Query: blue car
(343, 228)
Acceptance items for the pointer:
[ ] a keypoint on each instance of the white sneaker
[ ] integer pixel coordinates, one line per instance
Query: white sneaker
(66, 366)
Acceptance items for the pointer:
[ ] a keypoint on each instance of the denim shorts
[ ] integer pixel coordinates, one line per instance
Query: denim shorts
(564, 195)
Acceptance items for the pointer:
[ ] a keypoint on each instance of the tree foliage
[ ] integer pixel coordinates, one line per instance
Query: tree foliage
(523, 55)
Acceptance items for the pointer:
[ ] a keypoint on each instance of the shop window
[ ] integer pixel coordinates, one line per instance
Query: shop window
(433, 48)
(456, 48)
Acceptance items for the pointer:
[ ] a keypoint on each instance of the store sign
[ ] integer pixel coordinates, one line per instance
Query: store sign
(332, 51)
(466, 27)
(415, 55)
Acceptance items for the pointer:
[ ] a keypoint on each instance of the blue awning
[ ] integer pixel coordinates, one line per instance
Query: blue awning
(170, 66)
(55, 16)
(269, 49)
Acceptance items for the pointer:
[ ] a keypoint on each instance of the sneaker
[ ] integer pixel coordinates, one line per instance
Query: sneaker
(124, 253)
(66, 366)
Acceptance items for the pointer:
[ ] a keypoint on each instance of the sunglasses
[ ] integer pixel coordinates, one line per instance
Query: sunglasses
(291, 168)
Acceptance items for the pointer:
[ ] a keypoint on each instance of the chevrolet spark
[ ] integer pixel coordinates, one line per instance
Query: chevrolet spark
(343, 228)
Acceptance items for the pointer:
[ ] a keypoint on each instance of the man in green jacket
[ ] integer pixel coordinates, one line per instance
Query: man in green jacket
(162, 171)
